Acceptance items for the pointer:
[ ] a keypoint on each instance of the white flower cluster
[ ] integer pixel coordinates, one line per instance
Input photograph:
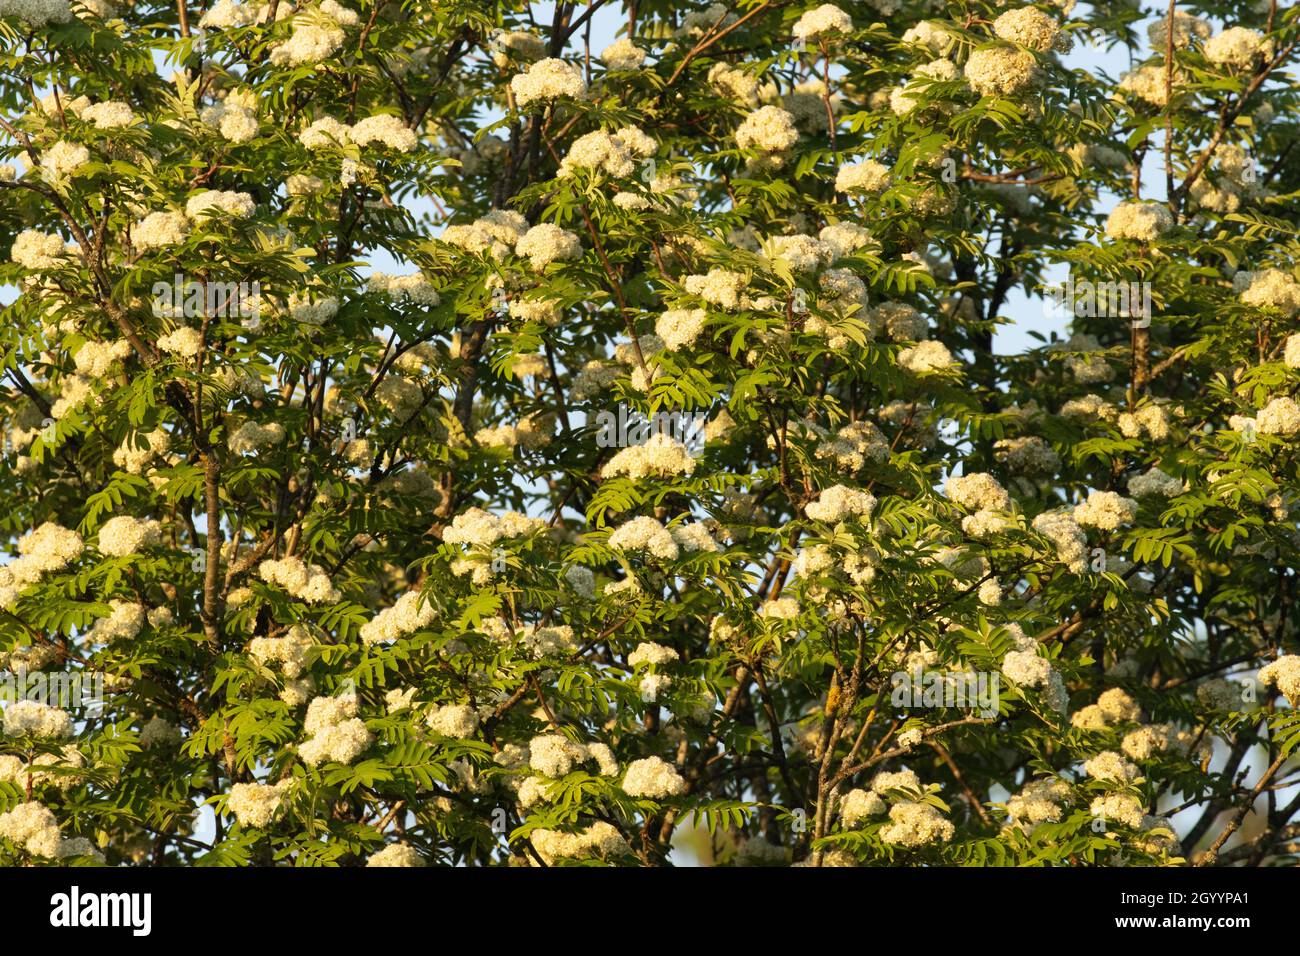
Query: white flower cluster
(530, 433)
(1186, 27)
(1027, 454)
(39, 251)
(734, 83)
(1147, 83)
(903, 99)
(110, 114)
(61, 160)
(46, 550)
(101, 359)
(37, 13)
(868, 176)
(307, 583)
(1106, 510)
(212, 203)
(978, 491)
(718, 287)
(409, 614)
(43, 770)
(1234, 179)
(1219, 694)
(31, 718)
(593, 379)
(71, 106)
(651, 654)
(780, 609)
(309, 310)
(826, 22)
(614, 154)
(1090, 156)
(554, 755)
(482, 529)
(459, 721)
(648, 535)
(413, 288)
(546, 80)
(803, 254)
(1284, 674)
(653, 778)
(645, 534)
(845, 295)
(838, 502)
(158, 732)
(1281, 416)
(385, 129)
(769, 129)
(160, 229)
(516, 44)
(302, 184)
(33, 827)
(916, 825)
(932, 35)
(858, 806)
(1090, 366)
(401, 396)
(600, 840)
(396, 855)
(1238, 48)
(846, 238)
(292, 651)
(581, 581)
(132, 459)
(225, 14)
(661, 456)
(334, 731)
(251, 437)
(1152, 419)
(124, 621)
(1269, 288)
(556, 641)
(699, 23)
(926, 358)
(622, 54)
(256, 804)
(1029, 27)
(547, 243)
(679, 328)
(496, 233)
(326, 133)
(1151, 739)
(127, 534)
(1143, 221)
(182, 341)
(1000, 71)
(1110, 767)
(1039, 801)
(1089, 408)
(1027, 669)
(1121, 807)
(1066, 536)
(234, 117)
(1113, 707)
(317, 35)
(1155, 483)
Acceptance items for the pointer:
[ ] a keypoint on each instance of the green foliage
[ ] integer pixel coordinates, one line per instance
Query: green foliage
(363, 577)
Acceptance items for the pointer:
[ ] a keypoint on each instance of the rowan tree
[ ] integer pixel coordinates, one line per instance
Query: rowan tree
(442, 438)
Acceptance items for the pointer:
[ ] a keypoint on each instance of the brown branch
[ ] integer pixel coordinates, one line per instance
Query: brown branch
(711, 38)
(1226, 119)
(1211, 855)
